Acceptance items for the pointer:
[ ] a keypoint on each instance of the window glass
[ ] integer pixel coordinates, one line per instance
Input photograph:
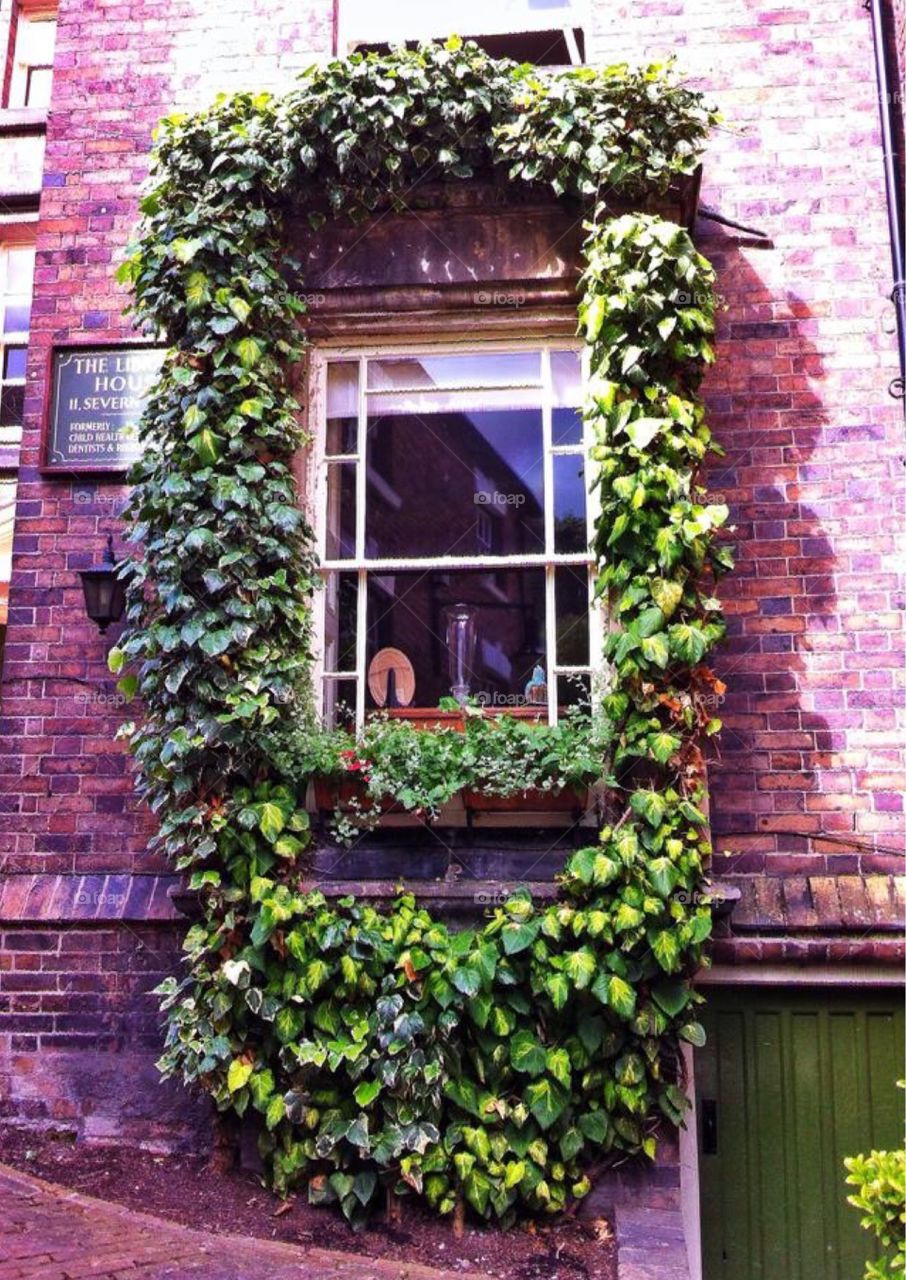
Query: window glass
(503, 28)
(570, 528)
(430, 476)
(7, 514)
(473, 498)
(572, 615)
(32, 71)
(504, 645)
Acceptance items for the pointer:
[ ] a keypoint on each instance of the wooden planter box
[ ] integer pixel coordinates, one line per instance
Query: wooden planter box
(338, 793)
(566, 801)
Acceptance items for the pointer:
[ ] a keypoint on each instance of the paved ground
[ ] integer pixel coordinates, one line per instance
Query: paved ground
(50, 1233)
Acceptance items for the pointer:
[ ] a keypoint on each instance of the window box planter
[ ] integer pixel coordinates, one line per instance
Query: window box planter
(347, 793)
(567, 800)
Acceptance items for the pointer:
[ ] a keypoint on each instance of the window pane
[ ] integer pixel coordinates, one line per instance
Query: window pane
(17, 315)
(342, 435)
(14, 359)
(340, 539)
(38, 84)
(442, 484)
(35, 39)
(500, 648)
(425, 373)
(339, 704)
(20, 268)
(570, 532)
(340, 614)
(342, 388)
(571, 594)
(574, 691)
(566, 426)
(12, 400)
(566, 378)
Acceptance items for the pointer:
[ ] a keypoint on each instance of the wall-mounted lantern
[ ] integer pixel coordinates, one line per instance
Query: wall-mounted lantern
(105, 593)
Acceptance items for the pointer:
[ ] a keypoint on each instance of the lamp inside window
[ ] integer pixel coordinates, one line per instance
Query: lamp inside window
(456, 522)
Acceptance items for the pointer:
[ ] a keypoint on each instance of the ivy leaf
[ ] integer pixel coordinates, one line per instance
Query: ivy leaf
(184, 250)
(656, 650)
(641, 431)
(615, 992)
(215, 642)
(516, 937)
(694, 1032)
(649, 805)
(631, 357)
(467, 980)
(671, 996)
(547, 1100)
(666, 949)
(595, 1126)
(663, 876)
(666, 595)
(663, 746)
(559, 1067)
(581, 966)
(249, 352)
(206, 445)
(193, 418)
(591, 315)
(271, 820)
(238, 1074)
(366, 1092)
(197, 290)
(527, 1054)
(240, 309)
(557, 987)
(687, 642)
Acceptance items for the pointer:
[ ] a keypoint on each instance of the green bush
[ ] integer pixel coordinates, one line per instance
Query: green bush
(504, 1064)
(880, 1182)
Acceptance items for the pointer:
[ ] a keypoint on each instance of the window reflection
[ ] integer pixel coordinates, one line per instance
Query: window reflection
(409, 611)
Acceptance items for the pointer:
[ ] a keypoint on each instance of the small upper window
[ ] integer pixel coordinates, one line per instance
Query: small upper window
(545, 32)
(33, 47)
(17, 265)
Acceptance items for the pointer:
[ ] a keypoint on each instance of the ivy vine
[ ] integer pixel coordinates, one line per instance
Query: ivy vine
(504, 1064)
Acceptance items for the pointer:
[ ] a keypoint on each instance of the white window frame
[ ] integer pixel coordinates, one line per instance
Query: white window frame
(30, 14)
(17, 339)
(361, 565)
(374, 26)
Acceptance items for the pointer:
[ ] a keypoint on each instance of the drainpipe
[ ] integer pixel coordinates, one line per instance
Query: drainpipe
(897, 388)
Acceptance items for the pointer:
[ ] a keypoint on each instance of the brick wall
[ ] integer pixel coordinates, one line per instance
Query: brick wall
(808, 780)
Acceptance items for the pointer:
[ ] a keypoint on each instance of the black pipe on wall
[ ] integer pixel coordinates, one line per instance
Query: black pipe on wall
(882, 35)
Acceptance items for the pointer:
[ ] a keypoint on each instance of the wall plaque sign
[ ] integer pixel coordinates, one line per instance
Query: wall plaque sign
(97, 398)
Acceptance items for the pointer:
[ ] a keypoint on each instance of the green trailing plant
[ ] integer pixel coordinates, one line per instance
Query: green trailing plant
(879, 1179)
(504, 1064)
(422, 769)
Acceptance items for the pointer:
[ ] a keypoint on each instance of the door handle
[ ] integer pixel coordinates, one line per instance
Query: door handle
(709, 1126)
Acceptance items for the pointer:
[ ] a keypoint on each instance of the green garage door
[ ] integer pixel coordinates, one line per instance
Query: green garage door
(789, 1083)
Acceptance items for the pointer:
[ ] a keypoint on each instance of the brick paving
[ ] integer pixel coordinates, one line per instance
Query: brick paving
(50, 1233)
